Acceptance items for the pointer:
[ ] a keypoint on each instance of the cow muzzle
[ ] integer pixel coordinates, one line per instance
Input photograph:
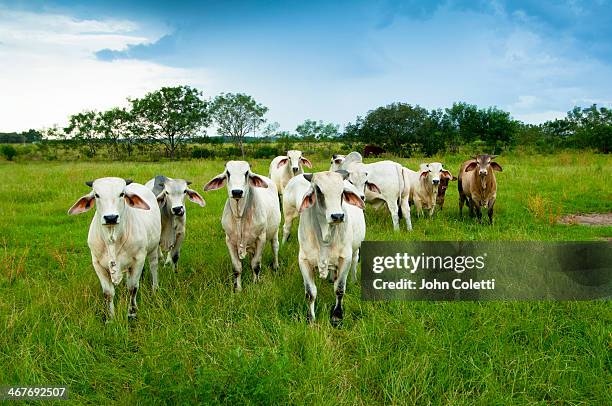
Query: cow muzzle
(110, 219)
(337, 218)
(295, 170)
(237, 193)
(178, 211)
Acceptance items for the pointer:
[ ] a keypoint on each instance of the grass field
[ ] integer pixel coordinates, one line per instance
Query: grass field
(196, 341)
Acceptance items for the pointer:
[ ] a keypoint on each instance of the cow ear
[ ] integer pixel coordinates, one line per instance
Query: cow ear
(352, 198)
(496, 166)
(306, 162)
(344, 173)
(83, 204)
(338, 161)
(161, 197)
(424, 173)
(447, 174)
(282, 162)
(257, 181)
(128, 181)
(309, 200)
(372, 187)
(195, 197)
(135, 201)
(307, 176)
(471, 166)
(216, 183)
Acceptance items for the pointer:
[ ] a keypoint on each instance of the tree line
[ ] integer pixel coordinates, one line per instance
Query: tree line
(405, 129)
(174, 116)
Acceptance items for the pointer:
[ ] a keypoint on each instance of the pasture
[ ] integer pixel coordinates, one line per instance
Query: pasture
(197, 341)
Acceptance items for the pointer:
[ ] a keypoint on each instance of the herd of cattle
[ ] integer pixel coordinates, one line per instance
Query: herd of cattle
(126, 230)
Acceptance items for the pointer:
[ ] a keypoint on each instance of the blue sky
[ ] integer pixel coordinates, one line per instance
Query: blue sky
(323, 60)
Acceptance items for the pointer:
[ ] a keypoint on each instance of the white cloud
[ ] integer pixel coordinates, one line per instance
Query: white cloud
(49, 69)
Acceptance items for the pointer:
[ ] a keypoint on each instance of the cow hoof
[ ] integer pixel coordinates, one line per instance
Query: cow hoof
(336, 321)
(132, 316)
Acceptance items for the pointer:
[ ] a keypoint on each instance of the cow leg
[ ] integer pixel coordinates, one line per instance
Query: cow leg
(490, 212)
(108, 289)
(393, 209)
(339, 288)
(470, 203)
(354, 263)
(153, 266)
(418, 205)
(478, 211)
(406, 210)
(236, 264)
(256, 261)
(289, 216)
(275, 250)
(133, 283)
(309, 287)
(461, 202)
(176, 249)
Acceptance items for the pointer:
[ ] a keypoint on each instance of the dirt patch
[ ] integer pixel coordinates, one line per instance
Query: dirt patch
(593, 219)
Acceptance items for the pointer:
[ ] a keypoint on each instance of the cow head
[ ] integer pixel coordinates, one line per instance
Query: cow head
(111, 198)
(239, 179)
(336, 161)
(173, 195)
(358, 177)
(326, 193)
(433, 172)
(295, 158)
(484, 165)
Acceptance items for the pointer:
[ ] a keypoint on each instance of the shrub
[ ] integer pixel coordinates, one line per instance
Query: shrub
(266, 151)
(9, 152)
(201, 153)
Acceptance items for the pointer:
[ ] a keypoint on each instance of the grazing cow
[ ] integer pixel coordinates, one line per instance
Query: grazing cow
(477, 185)
(442, 190)
(123, 232)
(250, 218)
(336, 161)
(171, 200)
(423, 185)
(373, 150)
(283, 168)
(330, 234)
(384, 186)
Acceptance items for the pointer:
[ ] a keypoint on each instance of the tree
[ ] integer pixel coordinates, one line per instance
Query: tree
(115, 124)
(171, 115)
(236, 115)
(8, 151)
(83, 127)
(592, 127)
(311, 130)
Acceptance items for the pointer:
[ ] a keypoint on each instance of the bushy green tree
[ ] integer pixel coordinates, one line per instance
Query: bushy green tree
(171, 115)
(84, 129)
(236, 115)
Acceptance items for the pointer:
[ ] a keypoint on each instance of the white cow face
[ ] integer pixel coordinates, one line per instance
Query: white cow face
(359, 179)
(336, 161)
(173, 196)
(296, 160)
(111, 199)
(433, 172)
(326, 193)
(238, 177)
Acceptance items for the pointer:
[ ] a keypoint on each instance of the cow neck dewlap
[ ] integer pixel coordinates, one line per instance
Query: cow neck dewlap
(114, 238)
(239, 209)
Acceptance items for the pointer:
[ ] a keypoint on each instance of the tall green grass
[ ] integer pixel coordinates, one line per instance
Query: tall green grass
(196, 341)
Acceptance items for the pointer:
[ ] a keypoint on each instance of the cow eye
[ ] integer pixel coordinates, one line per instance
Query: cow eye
(121, 194)
(185, 191)
(97, 196)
